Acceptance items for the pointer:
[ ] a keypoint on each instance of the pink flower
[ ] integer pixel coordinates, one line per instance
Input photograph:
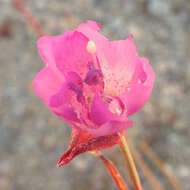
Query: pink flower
(92, 83)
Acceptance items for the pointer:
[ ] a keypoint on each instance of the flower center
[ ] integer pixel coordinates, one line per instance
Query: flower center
(77, 90)
(94, 76)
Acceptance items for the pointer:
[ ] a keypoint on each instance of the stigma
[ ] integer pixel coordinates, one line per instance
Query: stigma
(91, 47)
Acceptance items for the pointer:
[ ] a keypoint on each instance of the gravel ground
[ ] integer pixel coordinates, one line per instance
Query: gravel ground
(32, 138)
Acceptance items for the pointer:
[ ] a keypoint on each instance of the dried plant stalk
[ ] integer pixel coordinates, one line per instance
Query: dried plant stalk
(146, 171)
(32, 21)
(160, 165)
(111, 170)
(130, 163)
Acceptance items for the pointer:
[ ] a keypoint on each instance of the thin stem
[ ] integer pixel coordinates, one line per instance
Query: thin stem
(130, 164)
(112, 170)
(29, 17)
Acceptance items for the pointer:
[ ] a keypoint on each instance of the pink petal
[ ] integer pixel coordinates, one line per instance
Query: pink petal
(118, 59)
(69, 102)
(92, 24)
(63, 104)
(118, 65)
(90, 29)
(49, 88)
(149, 71)
(71, 54)
(64, 95)
(66, 113)
(139, 75)
(109, 128)
(45, 47)
(139, 94)
(74, 78)
(99, 112)
(60, 97)
(46, 83)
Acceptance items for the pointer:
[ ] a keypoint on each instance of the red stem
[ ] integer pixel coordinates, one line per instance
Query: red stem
(112, 170)
(27, 14)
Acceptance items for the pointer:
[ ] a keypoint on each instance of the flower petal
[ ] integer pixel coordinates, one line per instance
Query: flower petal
(64, 103)
(90, 29)
(118, 65)
(46, 83)
(45, 47)
(66, 113)
(138, 94)
(139, 75)
(109, 128)
(92, 24)
(118, 59)
(71, 55)
(60, 97)
(149, 72)
(55, 94)
(99, 112)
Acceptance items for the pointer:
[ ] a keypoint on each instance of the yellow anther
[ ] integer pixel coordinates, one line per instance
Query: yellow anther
(91, 47)
(118, 110)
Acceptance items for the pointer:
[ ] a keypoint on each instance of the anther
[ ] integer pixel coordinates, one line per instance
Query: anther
(91, 47)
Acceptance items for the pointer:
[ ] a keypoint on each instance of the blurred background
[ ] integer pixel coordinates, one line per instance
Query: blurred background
(32, 138)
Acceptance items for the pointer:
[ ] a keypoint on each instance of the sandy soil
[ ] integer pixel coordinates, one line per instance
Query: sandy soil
(32, 138)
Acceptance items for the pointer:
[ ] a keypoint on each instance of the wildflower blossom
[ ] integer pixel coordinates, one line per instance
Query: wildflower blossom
(93, 84)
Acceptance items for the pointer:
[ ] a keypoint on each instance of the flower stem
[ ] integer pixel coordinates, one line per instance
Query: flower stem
(29, 17)
(130, 163)
(112, 170)
(151, 178)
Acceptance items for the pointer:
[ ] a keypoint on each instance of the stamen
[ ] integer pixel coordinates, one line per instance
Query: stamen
(91, 65)
(91, 47)
(118, 110)
(77, 90)
(93, 77)
(116, 106)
